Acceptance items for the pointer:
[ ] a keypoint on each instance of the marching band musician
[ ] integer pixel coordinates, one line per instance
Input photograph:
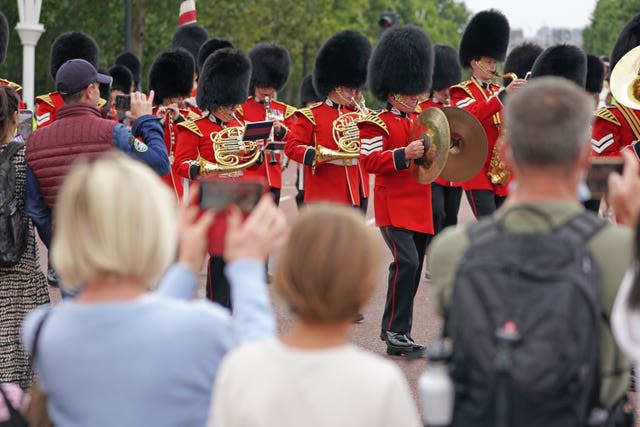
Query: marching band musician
(170, 77)
(484, 42)
(270, 66)
(132, 62)
(223, 85)
(339, 75)
(191, 37)
(402, 205)
(121, 85)
(66, 46)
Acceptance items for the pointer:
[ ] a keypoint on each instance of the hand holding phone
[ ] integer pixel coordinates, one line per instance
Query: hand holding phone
(598, 175)
(25, 126)
(623, 190)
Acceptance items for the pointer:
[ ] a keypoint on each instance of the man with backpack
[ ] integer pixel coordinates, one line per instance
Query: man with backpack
(526, 293)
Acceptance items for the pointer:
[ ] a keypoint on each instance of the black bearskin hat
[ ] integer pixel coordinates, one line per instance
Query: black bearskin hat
(4, 37)
(224, 79)
(72, 45)
(563, 60)
(270, 65)
(190, 37)
(308, 92)
(401, 63)
(595, 74)
(132, 62)
(171, 74)
(446, 69)
(342, 61)
(122, 78)
(520, 60)
(628, 38)
(105, 88)
(487, 34)
(209, 47)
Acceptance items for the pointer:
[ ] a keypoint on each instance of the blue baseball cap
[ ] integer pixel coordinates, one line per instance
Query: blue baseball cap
(76, 74)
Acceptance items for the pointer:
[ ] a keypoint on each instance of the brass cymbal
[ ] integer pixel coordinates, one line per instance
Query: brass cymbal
(468, 149)
(624, 82)
(431, 126)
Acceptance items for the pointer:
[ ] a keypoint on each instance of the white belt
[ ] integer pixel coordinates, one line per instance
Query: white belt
(343, 162)
(233, 174)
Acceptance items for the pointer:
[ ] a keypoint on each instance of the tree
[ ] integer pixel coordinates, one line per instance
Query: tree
(607, 21)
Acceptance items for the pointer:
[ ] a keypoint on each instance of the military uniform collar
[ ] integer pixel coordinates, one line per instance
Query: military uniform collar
(483, 85)
(333, 104)
(397, 112)
(215, 119)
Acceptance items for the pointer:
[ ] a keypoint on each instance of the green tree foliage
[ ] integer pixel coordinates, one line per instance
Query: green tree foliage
(299, 25)
(607, 21)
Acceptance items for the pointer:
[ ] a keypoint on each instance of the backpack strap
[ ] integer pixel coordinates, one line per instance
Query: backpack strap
(582, 226)
(11, 149)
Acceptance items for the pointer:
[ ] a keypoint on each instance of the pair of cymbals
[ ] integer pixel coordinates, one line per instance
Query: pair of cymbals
(455, 145)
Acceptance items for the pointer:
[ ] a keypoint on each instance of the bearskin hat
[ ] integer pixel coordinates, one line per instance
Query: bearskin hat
(171, 74)
(487, 34)
(190, 37)
(628, 38)
(224, 79)
(105, 88)
(410, 47)
(132, 62)
(308, 92)
(72, 45)
(563, 60)
(520, 60)
(4, 37)
(209, 47)
(342, 61)
(595, 74)
(270, 66)
(446, 69)
(122, 78)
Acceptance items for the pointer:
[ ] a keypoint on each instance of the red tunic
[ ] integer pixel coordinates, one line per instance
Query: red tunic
(254, 111)
(614, 128)
(483, 103)
(399, 200)
(338, 181)
(47, 107)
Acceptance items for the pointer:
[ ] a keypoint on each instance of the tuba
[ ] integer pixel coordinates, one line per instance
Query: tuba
(232, 154)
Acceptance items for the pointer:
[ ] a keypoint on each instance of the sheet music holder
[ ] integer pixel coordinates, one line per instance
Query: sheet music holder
(257, 131)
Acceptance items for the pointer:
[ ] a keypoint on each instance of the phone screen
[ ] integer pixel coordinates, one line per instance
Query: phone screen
(25, 127)
(599, 171)
(123, 102)
(220, 194)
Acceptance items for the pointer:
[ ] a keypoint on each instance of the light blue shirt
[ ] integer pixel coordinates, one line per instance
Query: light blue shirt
(147, 362)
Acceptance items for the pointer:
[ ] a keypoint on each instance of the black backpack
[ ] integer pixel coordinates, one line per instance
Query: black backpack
(13, 220)
(524, 324)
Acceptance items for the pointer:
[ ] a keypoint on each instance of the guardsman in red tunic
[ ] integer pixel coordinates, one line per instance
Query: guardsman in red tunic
(67, 46)
(339, 75)
(132, 63)
(170, 78)
(402, 205)
(484, 42)
(224, 84)
(191, 36)
(270, 66)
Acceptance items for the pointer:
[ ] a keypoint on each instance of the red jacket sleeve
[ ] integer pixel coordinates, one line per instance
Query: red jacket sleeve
(605, 137)
(300, 140)
(186, 151)
(480, 108)
(375, 153)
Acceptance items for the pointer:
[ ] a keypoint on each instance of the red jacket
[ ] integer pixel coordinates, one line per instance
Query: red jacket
(613, 130)
(338, 181)
(483, 103)
(254, 111)
(399, 200)
(47, 107)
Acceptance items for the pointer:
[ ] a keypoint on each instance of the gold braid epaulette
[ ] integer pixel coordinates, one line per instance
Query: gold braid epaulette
(308, 113)
(606, 114)
(192, 115)
(376, 120)
(102, 102)
(289, 111)
(239, 109)
(464, 87)
(46, 99)
(188, 124)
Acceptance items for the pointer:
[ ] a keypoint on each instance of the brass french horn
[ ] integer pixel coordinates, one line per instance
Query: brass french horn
(625, 80)
(232, 154)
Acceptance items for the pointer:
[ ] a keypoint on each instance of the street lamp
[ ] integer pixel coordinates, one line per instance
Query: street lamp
(29, 29)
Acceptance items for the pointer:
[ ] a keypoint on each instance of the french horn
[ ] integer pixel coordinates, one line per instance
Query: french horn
(231, 153)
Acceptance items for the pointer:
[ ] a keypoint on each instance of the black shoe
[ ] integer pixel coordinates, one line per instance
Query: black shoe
(398, 343)
(358, 318)
(416, 347)
(52, 278)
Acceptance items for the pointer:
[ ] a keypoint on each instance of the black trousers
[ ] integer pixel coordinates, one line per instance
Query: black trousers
(364, 203)
(592, 205)
(483, 202)
(407, 248)
(276, 195)
(446, 203)
(218, 289)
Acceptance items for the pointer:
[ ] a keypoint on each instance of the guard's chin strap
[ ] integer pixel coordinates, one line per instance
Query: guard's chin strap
(398, 98)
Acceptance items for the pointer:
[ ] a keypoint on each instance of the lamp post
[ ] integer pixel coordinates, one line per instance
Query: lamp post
(29, 29)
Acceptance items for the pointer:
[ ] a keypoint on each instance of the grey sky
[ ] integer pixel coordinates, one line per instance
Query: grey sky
(533, 14)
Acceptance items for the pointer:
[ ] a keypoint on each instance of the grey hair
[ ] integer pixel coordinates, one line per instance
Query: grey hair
(548, 123)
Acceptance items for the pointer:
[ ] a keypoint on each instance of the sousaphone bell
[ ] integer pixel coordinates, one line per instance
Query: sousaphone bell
(625, 80)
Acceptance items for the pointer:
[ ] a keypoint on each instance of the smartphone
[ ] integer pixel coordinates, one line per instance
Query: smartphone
(598, 174)
(123, 102)
(25, 126)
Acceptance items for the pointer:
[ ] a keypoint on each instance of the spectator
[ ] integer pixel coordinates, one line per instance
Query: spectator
(22, 286)
(547, 144)
(116, 354)
(312, 375)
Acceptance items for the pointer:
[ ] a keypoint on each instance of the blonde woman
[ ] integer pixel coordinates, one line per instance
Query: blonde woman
(118, 354)
(312, 376)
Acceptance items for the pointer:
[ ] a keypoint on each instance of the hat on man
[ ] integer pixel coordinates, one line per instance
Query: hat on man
(342, 61)
(76, 74)
(72, 45)
(595, 74)
(308, 93)
(628, 38)
(4, 37)
(190, 37)
(487, 34)
(520, 60)
(410, 47)
(446, 68)
(563, 60)
(209, 47)
(132, 62)
(224, 79)
(122, 78)
(171, 74)
(270, 66)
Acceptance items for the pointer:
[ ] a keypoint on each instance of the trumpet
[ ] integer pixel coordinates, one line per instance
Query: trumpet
(232, 154)
(512, 76)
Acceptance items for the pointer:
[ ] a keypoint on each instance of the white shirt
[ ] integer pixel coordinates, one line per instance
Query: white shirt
(266, 383)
